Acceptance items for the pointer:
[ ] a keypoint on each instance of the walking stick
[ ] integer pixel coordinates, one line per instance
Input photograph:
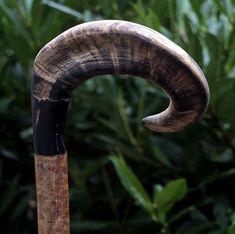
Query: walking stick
(97, 48)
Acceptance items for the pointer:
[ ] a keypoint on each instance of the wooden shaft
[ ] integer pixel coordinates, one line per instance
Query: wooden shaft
(52, 194)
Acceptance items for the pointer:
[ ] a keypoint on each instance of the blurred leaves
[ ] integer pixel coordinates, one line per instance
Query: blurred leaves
(131, 183)
(105, 119)
(4, 103)
(166, 197)
(86, 16)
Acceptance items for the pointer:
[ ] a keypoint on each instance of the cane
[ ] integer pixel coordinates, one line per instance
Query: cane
(97, 48)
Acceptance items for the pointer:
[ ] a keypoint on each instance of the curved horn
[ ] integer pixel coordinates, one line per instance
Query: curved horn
(112, 47)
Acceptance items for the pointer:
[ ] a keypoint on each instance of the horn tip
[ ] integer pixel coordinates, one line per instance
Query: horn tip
(151, 122)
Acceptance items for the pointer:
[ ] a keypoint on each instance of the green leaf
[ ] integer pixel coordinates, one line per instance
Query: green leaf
(14, 20)
(165, 198)
(28, 5)
(64, 9)
(4, 103)
(86, 16)
(231, 230)
(220, 210)
(157, 189)
(131, 183)
(92, 225)
(9, 194)
(233, 219)
(161, 157)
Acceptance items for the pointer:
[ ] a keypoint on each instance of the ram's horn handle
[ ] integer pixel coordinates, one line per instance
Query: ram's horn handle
(109, 47)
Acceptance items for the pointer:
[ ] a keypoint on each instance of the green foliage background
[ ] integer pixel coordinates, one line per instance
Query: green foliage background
(123, 178)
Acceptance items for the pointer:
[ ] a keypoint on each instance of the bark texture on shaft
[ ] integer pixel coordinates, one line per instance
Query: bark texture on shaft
(52, 194)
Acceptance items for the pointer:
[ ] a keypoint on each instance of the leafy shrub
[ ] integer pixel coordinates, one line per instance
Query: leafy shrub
(182, 183)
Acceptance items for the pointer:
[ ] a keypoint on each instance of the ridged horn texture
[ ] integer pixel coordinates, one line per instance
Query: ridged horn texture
(113, 47)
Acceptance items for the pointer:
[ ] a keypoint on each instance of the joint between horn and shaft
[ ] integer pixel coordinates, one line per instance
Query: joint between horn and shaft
(49, 120)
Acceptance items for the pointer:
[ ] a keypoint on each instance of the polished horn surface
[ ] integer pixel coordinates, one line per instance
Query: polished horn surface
(113, 47)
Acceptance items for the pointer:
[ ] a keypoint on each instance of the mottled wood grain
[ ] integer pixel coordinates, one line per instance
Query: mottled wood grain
(52, 194)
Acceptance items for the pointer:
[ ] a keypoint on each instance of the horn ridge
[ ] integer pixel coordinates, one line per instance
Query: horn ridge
(118, 47)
